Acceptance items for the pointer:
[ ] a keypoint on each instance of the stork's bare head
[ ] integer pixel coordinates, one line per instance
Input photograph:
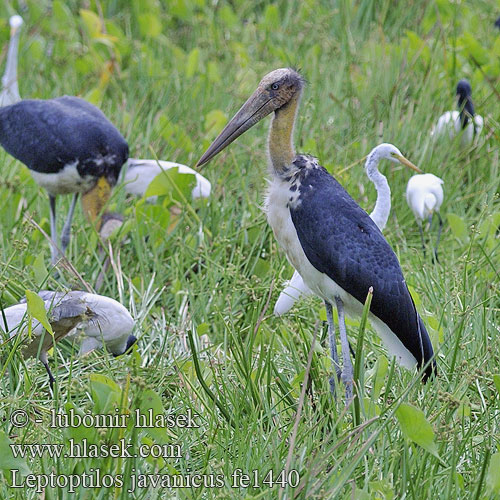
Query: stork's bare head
(275, 91)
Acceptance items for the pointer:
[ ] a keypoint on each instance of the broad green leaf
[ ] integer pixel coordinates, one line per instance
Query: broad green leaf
(94, 96)
(215, 122)
(79, 432)
(474, 49)
(192, 62)
(36, 309)
(322, 314)
(106, 393)
(180, 8)
(149, 25)
(202, 328)
(62, 14)
(262, 268)
(383, 486)
(150, 406)
(416, 428)
(458, 226)
(39, 270)
(213, 74)
(493, 476)
(169, 183)
(382, 366)
(496, 381)
(227, 16)
(92, 22)
(272, 16)
(415, 296)
(371, 408)
(7, 460)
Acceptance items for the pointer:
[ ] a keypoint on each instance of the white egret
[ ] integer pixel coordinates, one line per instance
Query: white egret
(333, 244)
(296, 288)
(10, 89)
(424, 194)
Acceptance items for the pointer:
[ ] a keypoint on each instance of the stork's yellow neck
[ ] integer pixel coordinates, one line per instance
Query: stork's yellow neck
(281, 150)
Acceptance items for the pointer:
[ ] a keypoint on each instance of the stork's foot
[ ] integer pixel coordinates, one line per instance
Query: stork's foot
(334, 380)
(347, 380)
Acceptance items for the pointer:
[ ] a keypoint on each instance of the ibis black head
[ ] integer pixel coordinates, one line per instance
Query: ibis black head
(464, 89)
(274, 92)
(132, 339)
(497, 23)
(465, 105)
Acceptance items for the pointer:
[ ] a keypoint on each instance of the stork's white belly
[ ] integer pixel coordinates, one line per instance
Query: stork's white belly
(280, 220)
(66, 181)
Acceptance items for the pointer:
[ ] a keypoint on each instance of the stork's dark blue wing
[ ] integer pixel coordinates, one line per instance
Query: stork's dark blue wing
(341, 241)
(46, 135)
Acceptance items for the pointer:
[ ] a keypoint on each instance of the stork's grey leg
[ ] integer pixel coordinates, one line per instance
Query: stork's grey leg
(66, 232)
(421, 235)
(438, 236)
(332, 340)
(347, 371)
(53, 231)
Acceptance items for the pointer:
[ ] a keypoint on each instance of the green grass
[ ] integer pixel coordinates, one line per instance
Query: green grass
(377, 71)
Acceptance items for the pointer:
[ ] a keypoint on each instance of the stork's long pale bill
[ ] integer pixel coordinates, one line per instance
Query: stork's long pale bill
(258, 106)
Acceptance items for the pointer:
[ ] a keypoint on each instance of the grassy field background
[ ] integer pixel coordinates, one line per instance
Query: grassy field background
(202, 281)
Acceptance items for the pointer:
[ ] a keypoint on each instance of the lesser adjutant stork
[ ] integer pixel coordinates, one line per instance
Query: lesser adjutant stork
(331, 241)
(70, 147)
(296, 287)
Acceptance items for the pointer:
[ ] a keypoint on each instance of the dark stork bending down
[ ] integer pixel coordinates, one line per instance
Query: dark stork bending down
(70, 147)
(332, 242)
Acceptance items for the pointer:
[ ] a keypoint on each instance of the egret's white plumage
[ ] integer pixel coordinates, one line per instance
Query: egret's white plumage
(140, 173)
(96, 320)
(10, 89)
(463, 121)
(296, 288)
(424, 194)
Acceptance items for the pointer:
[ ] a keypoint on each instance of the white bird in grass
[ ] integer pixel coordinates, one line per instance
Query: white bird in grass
(96, 320)
(463, 121)
(10, 89)
(331, 241)
(139, 174)
(296, 287)
(424, 194)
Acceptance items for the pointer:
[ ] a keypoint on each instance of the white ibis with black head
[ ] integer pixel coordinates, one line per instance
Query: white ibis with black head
(10, 89)
(296, 287)
(424, 195)
(70, 147)
(463, 121)
(331, 241)
(94, 319)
